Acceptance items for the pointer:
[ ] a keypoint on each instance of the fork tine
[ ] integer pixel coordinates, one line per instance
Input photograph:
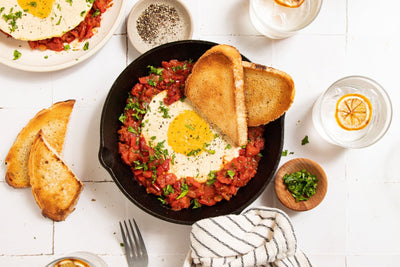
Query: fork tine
(127, 244)
(136, 249)
(140, 245)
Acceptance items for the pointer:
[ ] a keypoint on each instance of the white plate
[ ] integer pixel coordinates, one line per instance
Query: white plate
(43, 61)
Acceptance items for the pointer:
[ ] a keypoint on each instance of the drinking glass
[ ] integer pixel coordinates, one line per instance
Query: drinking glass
(324, 110)
(276, 21)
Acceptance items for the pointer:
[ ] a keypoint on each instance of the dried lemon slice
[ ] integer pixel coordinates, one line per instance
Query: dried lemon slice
(289, 3)
(353, 112)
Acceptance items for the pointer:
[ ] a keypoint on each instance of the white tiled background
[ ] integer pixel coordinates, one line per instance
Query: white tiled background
(356, 225)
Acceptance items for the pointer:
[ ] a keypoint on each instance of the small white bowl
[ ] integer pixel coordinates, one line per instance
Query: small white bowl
(162, 31)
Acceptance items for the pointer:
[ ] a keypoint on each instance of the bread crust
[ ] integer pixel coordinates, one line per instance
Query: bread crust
(269, 93)
(53, 121)
(216, 88)
(54, 186)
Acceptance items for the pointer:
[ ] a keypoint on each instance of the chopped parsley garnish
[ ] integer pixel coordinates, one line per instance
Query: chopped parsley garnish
(132, 130)
(83, 13)
(96, 13)
(305, 140)
(86, 46)
(67, 47)
(230, 173)
(59, 21)
(212, 177)
(154, 70)
(285, 153)
(228, 146)
(302, 185)
(11, 19)
(163, 109)
(135, 106)
(162, 200)
(140, 165)
(34, 4)
(168, 190)
(160, 150)
(189, 126)
(173, 159)
(69, 1)
(176, 68)
(17, 55)
(194, 152)
(151, 83)
(122, 118)
(184, 190)
(195, 204)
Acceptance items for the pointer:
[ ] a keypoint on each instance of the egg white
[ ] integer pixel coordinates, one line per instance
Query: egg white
(64, 17)
(155, 131)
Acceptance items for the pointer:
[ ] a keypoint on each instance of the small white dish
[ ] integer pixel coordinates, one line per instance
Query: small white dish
(79, 258)
(155, 22)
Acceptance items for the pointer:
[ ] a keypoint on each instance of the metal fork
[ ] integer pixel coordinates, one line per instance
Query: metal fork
(136, 253)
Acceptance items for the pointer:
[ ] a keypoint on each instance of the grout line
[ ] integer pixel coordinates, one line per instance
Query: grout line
(53, 239)
(346, 28)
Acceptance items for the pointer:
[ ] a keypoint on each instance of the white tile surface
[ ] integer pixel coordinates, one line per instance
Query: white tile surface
(355, 225)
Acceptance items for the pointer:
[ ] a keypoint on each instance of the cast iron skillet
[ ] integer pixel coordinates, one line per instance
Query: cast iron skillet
(121, 173)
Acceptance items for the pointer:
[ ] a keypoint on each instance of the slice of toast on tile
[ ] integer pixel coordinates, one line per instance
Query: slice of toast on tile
(216, 88)
(53, 122)
(54, 186)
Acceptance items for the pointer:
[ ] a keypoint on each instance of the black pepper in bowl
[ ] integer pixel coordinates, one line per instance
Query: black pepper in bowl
(158, 24)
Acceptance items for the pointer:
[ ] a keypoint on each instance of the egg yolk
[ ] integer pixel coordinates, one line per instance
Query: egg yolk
(38, 8)
(189, 134)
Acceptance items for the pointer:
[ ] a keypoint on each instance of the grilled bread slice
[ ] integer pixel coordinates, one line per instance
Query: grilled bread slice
(55, 187)
(269, 93)
(216, 88)
(53, 121)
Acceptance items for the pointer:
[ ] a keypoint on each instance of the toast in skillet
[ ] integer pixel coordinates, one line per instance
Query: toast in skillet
(55, 187)
(53, 121)
(216, 88)
(269, 93)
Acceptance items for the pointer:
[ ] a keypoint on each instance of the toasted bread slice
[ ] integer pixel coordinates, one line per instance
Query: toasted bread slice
(54, 186)
(216, 88)
(269, 93)
(53, 121)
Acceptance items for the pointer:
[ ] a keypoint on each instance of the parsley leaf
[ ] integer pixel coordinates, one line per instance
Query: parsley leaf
(305, 140)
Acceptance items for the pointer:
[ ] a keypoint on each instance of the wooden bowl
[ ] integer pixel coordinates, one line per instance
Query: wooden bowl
(284, 194)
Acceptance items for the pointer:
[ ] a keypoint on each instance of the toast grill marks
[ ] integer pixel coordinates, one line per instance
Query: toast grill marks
(216, 88)
(54, 186)
(269, 93)
(53, 121)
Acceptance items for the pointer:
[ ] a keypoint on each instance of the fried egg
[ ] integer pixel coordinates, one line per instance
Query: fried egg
(194, 146)
(32, 20)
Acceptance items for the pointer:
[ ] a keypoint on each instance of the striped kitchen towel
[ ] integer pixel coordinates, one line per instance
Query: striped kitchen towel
(259, 237)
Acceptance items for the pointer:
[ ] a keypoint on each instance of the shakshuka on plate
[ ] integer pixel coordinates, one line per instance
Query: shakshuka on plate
(174, 152)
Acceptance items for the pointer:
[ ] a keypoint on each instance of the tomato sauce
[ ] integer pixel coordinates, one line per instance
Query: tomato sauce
(82, 32)
(151, 170)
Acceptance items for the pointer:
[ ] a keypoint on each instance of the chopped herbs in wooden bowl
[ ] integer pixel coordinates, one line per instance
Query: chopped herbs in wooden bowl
(301, 184)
